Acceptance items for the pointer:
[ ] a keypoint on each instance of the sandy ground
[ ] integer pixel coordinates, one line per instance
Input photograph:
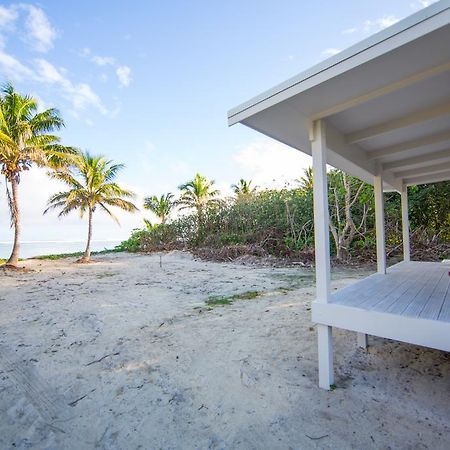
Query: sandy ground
(123, 354)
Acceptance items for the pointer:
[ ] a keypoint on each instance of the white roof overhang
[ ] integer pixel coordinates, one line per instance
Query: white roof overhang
(385, 102)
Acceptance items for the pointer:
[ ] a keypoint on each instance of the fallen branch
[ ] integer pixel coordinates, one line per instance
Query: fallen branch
(81, 398)
(317, 438)
(102, 358)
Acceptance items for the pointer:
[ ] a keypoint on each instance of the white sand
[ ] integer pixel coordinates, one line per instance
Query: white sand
(170, 374)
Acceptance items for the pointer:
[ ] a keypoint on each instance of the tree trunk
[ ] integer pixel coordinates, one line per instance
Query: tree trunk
(87, 253)
(13, 260)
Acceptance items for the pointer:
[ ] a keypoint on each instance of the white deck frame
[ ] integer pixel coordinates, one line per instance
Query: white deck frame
(380, 111)
(411, 303)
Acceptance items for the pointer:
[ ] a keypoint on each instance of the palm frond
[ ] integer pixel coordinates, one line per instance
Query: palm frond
(91, 183)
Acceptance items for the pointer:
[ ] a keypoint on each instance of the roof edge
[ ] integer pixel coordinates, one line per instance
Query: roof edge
(371, 41)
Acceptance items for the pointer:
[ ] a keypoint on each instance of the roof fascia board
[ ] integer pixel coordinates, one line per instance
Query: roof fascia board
(380, 43)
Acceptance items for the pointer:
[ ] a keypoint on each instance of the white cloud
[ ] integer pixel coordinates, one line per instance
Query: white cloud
(7, 17)
(81, 94)
(29, 23)
(422, 4)
(370, 26)
(124, 75)
(12, 68)
(123, 72)
(331, 51)
(39, 32)
(271, 164)
(103, 60)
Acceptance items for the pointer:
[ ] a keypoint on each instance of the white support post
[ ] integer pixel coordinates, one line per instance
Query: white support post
(325, 344)
(379, 222)
(405, 225)
(322, 249)
(362, 340)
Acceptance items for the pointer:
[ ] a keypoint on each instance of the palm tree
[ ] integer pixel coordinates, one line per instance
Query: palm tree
(160, 206)
(148, 225)
(25, 140)
(198, 194)
(92, 186)
(307, 180)
(243, 188)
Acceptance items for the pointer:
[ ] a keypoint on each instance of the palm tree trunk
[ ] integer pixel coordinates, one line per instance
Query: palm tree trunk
(15, 212)
(87, 252)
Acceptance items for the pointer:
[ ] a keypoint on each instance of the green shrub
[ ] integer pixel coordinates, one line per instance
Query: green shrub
(280, 223)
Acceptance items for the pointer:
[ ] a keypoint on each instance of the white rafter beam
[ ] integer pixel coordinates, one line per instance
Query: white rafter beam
(427, 179)
(419, 171)
(426, 159)
(414, 143)
(358, 100)
(401, 122)
(342, 154)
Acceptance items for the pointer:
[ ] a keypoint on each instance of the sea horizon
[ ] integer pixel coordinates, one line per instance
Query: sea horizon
(31, 249)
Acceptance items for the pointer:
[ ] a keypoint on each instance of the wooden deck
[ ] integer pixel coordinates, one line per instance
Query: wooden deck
(411, 303)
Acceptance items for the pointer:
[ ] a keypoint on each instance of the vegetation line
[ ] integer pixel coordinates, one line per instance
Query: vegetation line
(56, 256)
(253, 221)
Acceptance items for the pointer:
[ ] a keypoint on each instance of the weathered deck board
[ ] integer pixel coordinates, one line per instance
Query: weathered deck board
(415, 289)
(434, 304)
(376, 287)
(444, 315)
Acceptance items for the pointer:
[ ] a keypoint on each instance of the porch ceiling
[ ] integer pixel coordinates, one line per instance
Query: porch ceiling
(385, 102)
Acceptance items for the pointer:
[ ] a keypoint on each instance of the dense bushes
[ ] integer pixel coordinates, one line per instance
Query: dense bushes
(280, 223)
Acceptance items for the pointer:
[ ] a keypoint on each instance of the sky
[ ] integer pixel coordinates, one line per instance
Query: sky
(149, 84)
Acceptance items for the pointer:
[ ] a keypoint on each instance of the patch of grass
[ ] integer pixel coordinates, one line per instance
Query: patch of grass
(216, 300)
(333, 387)
(221, 300)
(57, 256)
(249, 295)
(71, 255)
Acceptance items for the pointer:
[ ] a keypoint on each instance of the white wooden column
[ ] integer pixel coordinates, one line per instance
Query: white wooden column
(405, 224)
(362, 340)
(379, 222)
(322, 249)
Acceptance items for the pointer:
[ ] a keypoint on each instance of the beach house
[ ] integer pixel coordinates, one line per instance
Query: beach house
(380, 111)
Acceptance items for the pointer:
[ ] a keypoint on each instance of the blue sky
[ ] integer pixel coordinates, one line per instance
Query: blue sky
(149, 84)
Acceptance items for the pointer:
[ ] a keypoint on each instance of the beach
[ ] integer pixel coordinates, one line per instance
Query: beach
(39, 248)
(125, 353)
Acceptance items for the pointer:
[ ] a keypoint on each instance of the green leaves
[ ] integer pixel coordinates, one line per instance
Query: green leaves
(91, 182)
(243, 188)
(161, 206)
(198, 193)
(25, 134)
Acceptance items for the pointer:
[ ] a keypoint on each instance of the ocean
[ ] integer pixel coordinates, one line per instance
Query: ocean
(38, 248)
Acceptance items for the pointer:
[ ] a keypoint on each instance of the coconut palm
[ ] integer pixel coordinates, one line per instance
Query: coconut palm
(148, 224)
(307, 180)
(243, 188)
(25, 140)
(160, 206)
(92, 186)
(198, 193)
